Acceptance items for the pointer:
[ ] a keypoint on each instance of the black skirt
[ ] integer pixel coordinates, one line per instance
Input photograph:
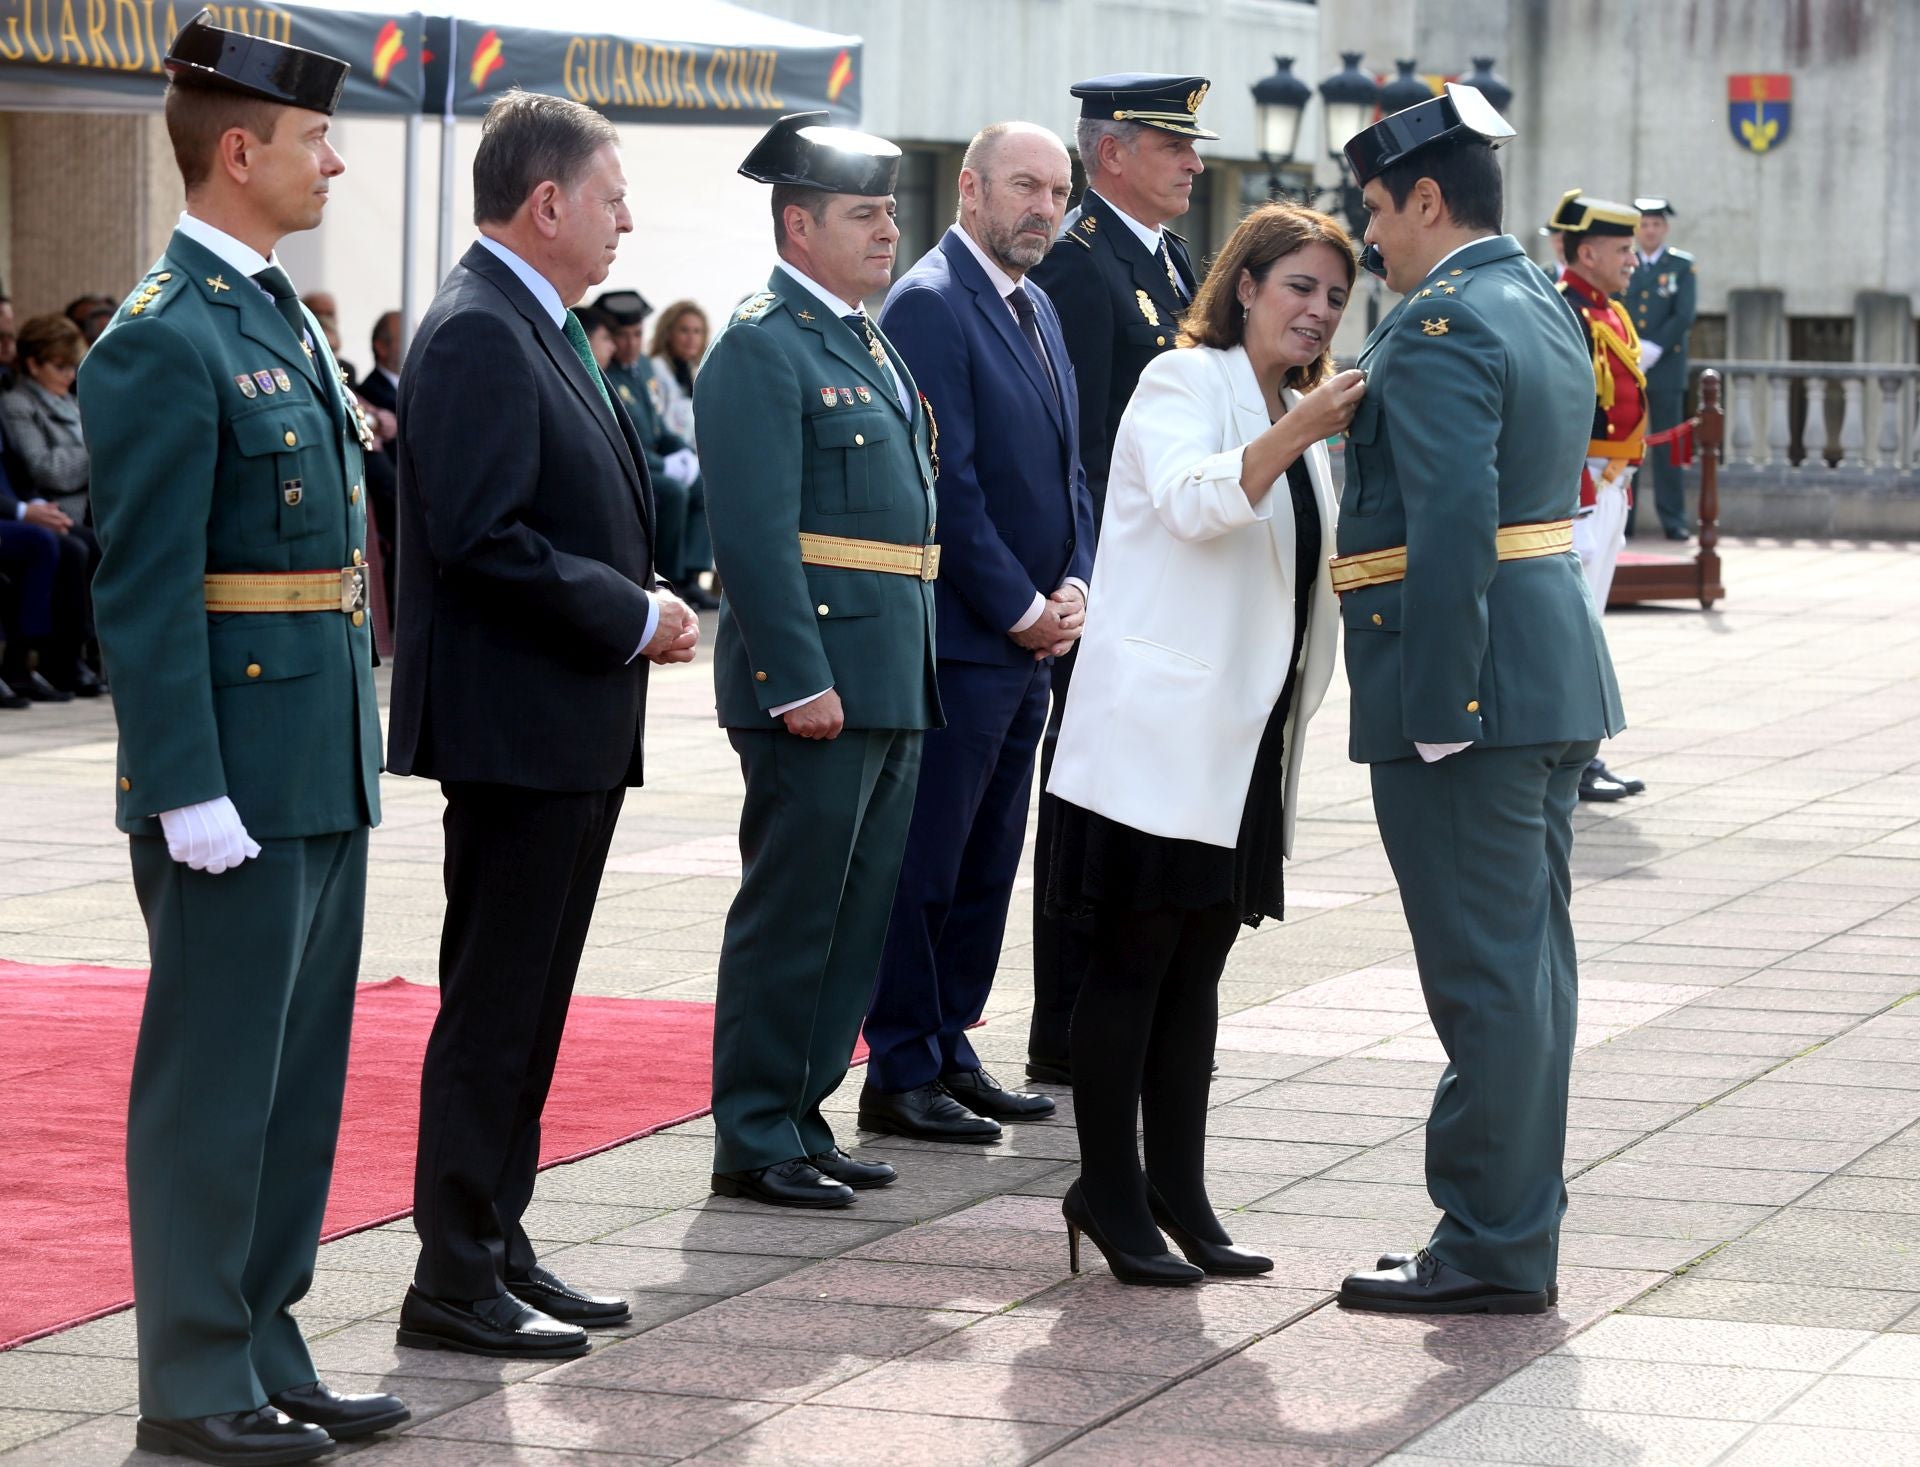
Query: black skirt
(1098, 862)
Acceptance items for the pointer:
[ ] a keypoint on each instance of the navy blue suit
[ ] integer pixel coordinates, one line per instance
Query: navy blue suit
(1016, 520)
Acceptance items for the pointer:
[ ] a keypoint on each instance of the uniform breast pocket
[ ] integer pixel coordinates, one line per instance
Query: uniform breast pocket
(848, 475)
(1365, 462)
(284, 452)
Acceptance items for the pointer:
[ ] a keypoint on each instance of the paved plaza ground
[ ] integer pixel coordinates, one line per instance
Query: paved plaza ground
(1741, 1279)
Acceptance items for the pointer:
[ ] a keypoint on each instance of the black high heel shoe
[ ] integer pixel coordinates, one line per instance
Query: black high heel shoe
(1128, 1268)
(1214, 1258)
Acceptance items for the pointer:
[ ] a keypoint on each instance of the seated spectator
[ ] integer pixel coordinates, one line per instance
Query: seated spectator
(679, 342)
(41, 417)
(9, 344)
(91, 313)
(45, 615)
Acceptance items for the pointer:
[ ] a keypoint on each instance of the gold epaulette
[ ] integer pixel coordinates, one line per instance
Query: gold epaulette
(755, 306)
(149, 292)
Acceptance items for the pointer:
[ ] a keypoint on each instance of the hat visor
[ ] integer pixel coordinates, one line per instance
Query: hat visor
(1181, 129)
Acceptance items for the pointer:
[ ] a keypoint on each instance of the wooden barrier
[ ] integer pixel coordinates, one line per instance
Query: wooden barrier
(1642, 577)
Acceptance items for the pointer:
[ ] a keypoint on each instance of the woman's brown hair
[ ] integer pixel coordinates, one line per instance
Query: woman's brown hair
(53, 340)
(670, 318)
(1271, 232)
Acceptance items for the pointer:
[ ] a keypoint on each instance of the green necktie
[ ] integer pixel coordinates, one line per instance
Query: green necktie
(577, 336)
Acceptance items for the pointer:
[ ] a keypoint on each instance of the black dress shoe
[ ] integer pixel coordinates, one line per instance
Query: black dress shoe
(859, 1175)
(81, 682)
(793, 1183)
(1397, 1260)
(1626, 782)
(34, 686)
(1675, 533)
(1154, 1269)
(699, 598)
(926, 1113)
(11, 699)
(1597, 784)
(1050, 1072)
(1221, 1259)
(1425, 1285)
(556, 1298)
(260, 1438)
(980, 1093)
(341, 1417)
(502, 1326)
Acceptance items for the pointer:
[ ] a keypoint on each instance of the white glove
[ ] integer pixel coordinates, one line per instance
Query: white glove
(1434, 753)
(209, 836)
(1649, 354)
(683, 464)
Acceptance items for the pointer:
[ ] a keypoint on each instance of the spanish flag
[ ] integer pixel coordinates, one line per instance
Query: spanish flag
(488, 58)
(389, 50)
(841, 74)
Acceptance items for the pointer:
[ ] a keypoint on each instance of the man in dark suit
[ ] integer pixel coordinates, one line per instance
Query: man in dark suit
(380, 389)
(1016, 531)
(1120, 279)
(526, 562)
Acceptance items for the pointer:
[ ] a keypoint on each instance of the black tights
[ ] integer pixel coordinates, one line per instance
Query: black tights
(1142, 1039)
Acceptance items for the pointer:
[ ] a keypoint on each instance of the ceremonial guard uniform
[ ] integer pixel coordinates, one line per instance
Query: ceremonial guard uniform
(817, 451)
(1661, 298)
(1619, 422)
(1119, 299)
(228, 487)
(1480, 684)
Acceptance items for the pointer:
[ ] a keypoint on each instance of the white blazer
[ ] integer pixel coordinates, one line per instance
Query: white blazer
(1190, 616)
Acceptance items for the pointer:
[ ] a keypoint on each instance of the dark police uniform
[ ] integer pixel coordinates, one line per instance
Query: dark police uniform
(1662, 298)
(1119, 305)
(820, 498)
(230, 601)
(1468, 621)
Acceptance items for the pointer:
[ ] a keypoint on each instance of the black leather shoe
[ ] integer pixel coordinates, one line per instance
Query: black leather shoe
(1154, 1269)
(1676, 533)
(341, 1417)
(1399, 1260)
(1626, 782)
(557, 1299)
(844, 1169)
(11, 699)
(793, 1183)
(699, 598)
(502, 1326)
(927, 1113)
(1221, 1259)
(259, 1438)
(81, 682)
(34, 686)
(1425, 1285)
(980, 1093)
(1597, 784)
(1050, 1072)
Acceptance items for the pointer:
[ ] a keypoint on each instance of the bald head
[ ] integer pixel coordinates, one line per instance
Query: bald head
(1014, 184)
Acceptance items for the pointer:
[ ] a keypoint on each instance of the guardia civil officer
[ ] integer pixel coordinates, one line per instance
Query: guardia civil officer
(1119, 279)
(1599, 253)
(1480, 683)
(228, 487)
(818, 455)
(1662, 300)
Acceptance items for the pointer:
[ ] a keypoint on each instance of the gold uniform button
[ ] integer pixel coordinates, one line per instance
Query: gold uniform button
(759, 677)
(860, 440)
(1159, 341)
(125, 783)
(292, 438)
(1379, 620)
(1474, 706)
(253, 669)
(1453, 272)
(353, 497)
(358, 559)
(164, 276)
(822, 608)
(359, 618)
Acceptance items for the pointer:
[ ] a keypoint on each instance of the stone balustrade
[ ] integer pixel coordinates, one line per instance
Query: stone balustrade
(1859, 417)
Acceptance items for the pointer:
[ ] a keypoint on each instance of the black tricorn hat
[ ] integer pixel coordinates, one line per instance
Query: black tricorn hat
(1459, 111)
(1170, 103)
(206, 56)
(804, 150)
(627, 307)
(1580, 215)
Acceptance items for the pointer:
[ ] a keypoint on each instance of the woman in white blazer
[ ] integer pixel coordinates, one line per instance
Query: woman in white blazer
(1209, 644)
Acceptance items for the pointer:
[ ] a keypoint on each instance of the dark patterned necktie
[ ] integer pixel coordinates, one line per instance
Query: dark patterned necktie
(286, 300)
(1173, 275)
(1022, 304)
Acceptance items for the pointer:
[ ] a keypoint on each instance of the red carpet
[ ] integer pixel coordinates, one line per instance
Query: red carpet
(628, 1066)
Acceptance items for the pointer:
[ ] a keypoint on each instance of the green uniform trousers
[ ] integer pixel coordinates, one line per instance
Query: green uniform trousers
(234, 1111)
(1665, 407)
(822, 834)
(1481, 844)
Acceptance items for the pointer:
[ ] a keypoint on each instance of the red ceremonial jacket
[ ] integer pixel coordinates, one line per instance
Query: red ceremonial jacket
(1620, 387)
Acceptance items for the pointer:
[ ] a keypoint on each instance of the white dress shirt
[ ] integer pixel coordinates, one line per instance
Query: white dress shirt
(1153, 238)
(543, 292)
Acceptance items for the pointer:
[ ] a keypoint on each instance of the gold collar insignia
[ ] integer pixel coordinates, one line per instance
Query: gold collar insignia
(1435, 328)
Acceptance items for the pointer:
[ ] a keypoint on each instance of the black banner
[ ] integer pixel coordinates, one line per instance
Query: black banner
(634, 79)
(118, 45)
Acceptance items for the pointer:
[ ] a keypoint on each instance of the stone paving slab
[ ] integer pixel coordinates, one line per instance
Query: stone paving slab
(1738, 1276)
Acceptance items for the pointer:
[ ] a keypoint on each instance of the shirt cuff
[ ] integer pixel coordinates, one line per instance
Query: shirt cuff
(1032, 616)
(785, 708)
(1434, 753)
(1079, 585)
(653, 625)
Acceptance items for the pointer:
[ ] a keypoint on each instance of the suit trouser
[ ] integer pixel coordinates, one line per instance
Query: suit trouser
(1481, 844)
(956, 880)
(1062, 946)
(1666, 406)
(522, 875)
(235, 1110)
(822, 832)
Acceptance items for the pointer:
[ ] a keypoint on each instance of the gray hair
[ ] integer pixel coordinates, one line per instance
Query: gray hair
(527, 139)
(1086, 140)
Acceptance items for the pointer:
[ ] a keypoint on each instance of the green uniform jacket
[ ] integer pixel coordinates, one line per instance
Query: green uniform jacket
(800, 432)
(1478, 406)
(639, 394)
(193, 473)
(1661, 298)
